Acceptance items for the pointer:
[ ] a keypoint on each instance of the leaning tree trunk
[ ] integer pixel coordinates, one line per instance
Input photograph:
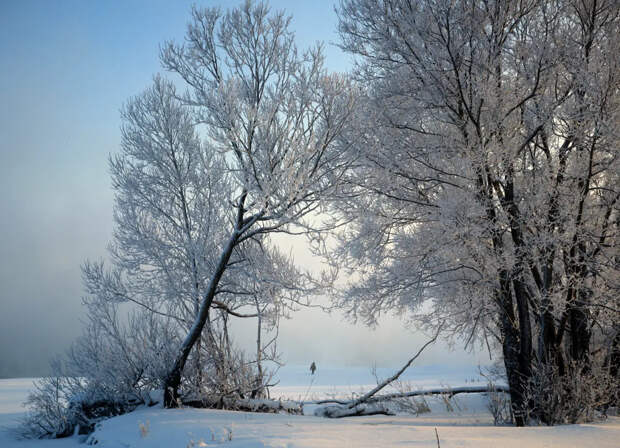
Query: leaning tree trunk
(173, 380)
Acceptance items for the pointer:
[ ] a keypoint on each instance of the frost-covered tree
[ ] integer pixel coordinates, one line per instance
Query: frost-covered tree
(201, 182)
(171, 211)
(273, 115)
(485, 194)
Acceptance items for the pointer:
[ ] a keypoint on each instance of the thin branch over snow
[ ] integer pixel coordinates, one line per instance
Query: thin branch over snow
(368, 404)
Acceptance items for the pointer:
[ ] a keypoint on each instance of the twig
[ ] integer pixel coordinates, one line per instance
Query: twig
(308, 391)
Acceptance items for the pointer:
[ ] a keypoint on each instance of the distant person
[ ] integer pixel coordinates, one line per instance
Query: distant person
(312, 368)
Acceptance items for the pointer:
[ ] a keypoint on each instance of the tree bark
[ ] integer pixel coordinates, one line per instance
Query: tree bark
(512, 334)
(578, 313)
(511, 351)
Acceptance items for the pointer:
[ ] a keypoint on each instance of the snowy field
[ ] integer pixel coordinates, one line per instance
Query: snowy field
(465, 422)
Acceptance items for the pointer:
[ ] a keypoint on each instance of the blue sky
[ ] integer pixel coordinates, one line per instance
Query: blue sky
(66, 68)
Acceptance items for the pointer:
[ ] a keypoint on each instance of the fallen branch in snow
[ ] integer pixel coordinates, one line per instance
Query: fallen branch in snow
(368, 404)
(449, 391)
(360, 406)
(394, 377)
(265, 405)
(373, 404)
(247, 404)
(360, 409)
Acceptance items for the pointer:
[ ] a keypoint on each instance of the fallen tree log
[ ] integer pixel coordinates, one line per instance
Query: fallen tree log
(371, 404)
(450, 391)
(374, 405)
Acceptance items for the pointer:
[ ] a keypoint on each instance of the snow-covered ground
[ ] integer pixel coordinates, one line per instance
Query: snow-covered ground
(464, 423)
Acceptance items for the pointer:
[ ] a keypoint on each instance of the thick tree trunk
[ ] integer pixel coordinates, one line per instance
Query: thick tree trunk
(612, 361)
(511, 351)
(509, 325)
(522, 376)
(580, 334)
(525, 331)
(549, 345)
(578, 316)
(550, 351)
